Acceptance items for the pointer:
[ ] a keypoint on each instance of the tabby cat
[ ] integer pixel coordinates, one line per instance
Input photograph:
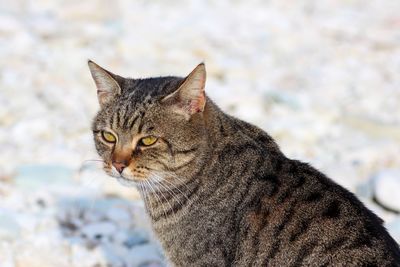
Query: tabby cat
(218, 190)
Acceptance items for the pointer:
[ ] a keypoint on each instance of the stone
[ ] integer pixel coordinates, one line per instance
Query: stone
(387, 188)
(84, 257)
(99, 230)
(34, 177)
(152, 264)
(119, 215)
(9, 227)
(136, 238)
(6, 255)
(143, 254)
(394, 229)
(41, 251)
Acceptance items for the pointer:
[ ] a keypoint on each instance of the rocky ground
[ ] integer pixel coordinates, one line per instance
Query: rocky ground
(322, 77)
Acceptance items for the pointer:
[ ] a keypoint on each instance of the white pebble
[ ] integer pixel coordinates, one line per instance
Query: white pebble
(387, 189)
(99, 230)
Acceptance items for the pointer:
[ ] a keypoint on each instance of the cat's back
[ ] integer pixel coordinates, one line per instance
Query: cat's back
(302, 218)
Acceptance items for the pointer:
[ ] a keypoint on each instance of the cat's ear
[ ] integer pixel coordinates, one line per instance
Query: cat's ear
(190, 97)
(106, 82)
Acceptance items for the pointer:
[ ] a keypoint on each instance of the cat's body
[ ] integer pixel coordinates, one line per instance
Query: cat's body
(251, 206)
(222, 193)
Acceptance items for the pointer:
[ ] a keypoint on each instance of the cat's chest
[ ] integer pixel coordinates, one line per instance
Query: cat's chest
(202, 232)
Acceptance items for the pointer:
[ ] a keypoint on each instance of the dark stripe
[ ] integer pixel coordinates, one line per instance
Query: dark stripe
(273, 251)
(133, 122)
(293, 168)
(178, 206)
(273, 184)
(248, 199)
(171, 152)
(277, 161)
(313, 196)
(257, 234)
(166, 167)
(304, 252)
(141, 122)
(300, 181)
(187, 185)
(290, 190)
(177, 168)
(193, 183)
(263, 139)
(119, 116)
(287, 218)
(227, 254)
(222, 130)
(168, 194)
(332, 210)
(153, 156)
(238, 205)
(300, 229)
(112, 120)
(350, 224)
(275, 248)
(234, 227)
(335, 244)
(235, 150)
(362, 240)
(284, 195)
(191, 150)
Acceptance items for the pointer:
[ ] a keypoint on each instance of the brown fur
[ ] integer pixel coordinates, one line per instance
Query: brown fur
(219, 191)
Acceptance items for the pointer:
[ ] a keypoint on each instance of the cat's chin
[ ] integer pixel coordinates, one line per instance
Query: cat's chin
(127, 182)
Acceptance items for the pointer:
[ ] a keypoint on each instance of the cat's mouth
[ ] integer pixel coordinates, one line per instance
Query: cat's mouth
(139, 182)
(126, 174)
(149, 182)
(131, 179)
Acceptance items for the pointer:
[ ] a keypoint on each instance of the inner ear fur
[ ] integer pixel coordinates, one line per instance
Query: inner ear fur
(190, 97)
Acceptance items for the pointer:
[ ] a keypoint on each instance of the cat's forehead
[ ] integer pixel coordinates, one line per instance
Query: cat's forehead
(138, 90)
(137, 102)
(124, 121)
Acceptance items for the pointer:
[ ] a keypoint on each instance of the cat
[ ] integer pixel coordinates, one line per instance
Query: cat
(218, 190)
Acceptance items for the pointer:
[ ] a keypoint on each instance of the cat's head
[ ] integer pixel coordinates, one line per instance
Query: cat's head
(149, 129)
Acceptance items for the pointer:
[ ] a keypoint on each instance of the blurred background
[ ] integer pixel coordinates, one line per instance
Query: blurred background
(321, 77)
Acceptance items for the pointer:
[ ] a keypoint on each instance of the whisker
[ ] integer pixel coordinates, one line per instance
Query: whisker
(175, 187)
(166, 199)
(188, 203)
(174, 176)
(146, 191)
(156, 196)
(158, 199)
(170, 190)
(142, 192)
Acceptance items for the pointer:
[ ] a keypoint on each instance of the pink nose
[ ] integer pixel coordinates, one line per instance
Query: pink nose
(120, 166)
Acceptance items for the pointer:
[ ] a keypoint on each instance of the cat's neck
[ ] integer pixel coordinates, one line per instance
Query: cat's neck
(221, 127)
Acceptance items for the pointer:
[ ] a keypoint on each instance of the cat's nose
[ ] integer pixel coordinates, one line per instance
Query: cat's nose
(120, 166)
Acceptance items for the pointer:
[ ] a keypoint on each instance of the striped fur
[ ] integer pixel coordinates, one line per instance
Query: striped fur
(219, 191)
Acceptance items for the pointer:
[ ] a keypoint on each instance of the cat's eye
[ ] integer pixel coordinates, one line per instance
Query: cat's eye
(108, 137)
(148, 140)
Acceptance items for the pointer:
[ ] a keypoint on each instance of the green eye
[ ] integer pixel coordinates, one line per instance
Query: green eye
(109, 137)
(148, 140)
